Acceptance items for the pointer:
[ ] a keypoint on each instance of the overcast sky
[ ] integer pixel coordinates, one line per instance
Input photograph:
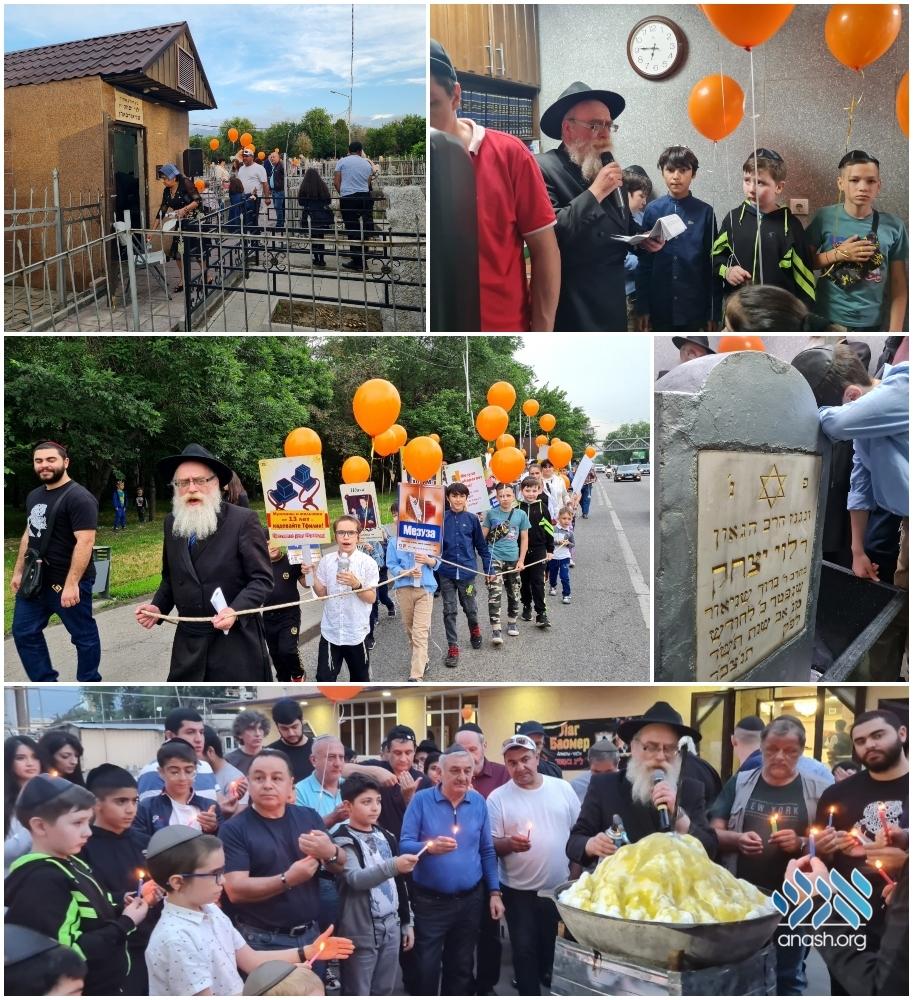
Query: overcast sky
(608, 375)
(266, 62)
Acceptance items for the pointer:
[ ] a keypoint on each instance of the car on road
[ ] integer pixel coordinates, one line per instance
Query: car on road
(644, 468)
(624, 472)
(599, 468)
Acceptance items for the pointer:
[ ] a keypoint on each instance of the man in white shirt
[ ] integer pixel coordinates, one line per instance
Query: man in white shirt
(352, 179)
(346, 620)
(530, 817)
(253, 176)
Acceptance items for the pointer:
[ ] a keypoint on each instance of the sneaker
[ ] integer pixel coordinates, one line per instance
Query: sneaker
(453, 656)
(543, 622)
(475, 637)
(527, 613)
(552, 591)
(496, 639)
(332, 983)
(566, 599)
(370, 642)
(572, 564)
(391, 611)
(512, 628)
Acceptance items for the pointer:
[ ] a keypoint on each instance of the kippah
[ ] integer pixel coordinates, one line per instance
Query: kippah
(751, 724)
(171, 836)
(266, 976)
(816, 365)
(42, 788)
(22, 943)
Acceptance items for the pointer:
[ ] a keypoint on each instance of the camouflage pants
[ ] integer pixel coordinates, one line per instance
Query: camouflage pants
(510, 583)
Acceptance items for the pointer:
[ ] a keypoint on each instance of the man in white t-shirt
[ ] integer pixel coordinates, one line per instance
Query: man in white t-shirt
(352, 179)
(346, 620)
(531, 817)
(256, 184)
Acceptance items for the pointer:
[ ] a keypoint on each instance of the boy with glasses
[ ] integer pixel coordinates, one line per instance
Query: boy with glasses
(346, 619)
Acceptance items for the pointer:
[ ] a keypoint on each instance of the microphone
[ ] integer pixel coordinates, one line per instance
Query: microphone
(606, 159)
(660, 775)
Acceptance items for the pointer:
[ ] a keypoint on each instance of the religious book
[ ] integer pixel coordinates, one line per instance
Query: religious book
(666, 228)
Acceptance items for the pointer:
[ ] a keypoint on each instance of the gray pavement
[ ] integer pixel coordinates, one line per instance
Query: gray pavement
(600, 636)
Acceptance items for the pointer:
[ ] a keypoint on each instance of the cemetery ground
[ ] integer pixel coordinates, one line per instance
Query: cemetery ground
(602, 635)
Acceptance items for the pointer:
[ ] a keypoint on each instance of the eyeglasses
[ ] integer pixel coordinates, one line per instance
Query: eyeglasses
(345, 534)
(768, 154)
(184, 484)
(788, 754)
(657, 748)
(595, 126)
(218, 875)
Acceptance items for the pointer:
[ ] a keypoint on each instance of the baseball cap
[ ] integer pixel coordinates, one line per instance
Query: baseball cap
(528, 728)
(440, 62)
(247, 151)
(169, 170)
(401, 733)
(518, 741)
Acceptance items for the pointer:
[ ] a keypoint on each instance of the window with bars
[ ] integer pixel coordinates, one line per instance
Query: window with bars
(186, 71)
(364, 724)
(445, 713)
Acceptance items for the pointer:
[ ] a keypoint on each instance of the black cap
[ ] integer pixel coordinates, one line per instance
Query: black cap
(22, 943)
(286, 711)
(42, 788)
(440, 62)
(698, 341)
(528, 728)
(816, 366)
(857, 156)
(427, 746)
(400, 733)
(470, 727)
(109, 776)
(170, 836)
(751, 724)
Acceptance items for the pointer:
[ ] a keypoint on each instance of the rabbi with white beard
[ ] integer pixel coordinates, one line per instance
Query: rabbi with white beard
(211, 545)
(591, 207)
(644, 794)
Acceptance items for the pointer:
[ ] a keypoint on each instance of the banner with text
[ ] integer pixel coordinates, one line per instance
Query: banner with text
(360, 501)
(420, 527)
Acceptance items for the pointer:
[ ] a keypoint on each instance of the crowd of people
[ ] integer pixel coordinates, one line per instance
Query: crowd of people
(214, 545)
(295, 867)
(573, 207)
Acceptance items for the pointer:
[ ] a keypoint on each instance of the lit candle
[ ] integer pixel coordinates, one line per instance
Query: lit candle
(425, 848)
(830, 815)
(529, 831)
(773, 822)
(884, 874)
(456, 829)
(53, 773)
(139, 885)
(233, 789)
(883, 817)
(811, 841)
(310, 962)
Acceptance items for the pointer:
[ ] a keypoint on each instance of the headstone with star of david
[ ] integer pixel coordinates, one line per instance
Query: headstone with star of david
(741, 473)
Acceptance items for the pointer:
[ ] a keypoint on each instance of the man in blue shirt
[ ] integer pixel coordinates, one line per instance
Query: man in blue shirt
(352, 180)
(448, 825)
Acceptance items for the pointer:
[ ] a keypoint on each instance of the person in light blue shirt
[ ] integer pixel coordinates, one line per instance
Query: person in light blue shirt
(876, 418)
(320, 789)
(352, 180)
(415, 596)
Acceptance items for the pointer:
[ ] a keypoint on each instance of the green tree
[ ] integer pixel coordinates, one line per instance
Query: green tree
(282, 135)
(319, 127)
(341, 137)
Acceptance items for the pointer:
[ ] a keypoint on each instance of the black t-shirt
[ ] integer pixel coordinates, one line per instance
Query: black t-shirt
(768, 869)
(265, 847)
(76, 510)
(392, 803)
(300, 756)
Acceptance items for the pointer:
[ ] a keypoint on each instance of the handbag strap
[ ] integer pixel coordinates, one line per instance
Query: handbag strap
(45, 539)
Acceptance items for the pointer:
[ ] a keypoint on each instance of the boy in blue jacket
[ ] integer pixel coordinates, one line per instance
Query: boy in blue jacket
(463, 539)
(415, 596)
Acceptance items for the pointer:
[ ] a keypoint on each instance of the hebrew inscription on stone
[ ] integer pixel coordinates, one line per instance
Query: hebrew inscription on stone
(756, 530)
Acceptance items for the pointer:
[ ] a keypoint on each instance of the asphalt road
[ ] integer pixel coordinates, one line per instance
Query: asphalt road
(600, 636)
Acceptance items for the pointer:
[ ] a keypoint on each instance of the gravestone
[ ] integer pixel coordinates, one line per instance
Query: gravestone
(741, 480)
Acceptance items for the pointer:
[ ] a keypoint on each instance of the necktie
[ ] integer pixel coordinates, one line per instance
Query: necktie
(191, 541)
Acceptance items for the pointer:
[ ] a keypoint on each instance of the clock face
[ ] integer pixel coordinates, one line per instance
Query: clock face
(653, 49)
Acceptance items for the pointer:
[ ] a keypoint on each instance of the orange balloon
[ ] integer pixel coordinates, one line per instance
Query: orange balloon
(400, 433)
(376, 406)
(386, 443)
(747, 24)
(491, 421)
(467, 712)
(213, 143)
(541, 439)
(502, 394)
(199, 184)
(560, 453)
(508, 464)
(247, 139)
(902, 104)
(232, 135)
(547, 422)
(435, 437)
(355, 470)
(261, 155)
(303, 441)
(715, 106)
(489, 451)
(505, 441)
(422, 458)
(530, 407)
(339, 692)
(859, 33)
(590, 452)
(730, 343)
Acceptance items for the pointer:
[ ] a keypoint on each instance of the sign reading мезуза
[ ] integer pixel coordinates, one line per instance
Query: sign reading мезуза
(739, 498)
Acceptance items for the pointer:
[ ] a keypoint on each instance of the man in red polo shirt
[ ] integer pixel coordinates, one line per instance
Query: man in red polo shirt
(513, 208)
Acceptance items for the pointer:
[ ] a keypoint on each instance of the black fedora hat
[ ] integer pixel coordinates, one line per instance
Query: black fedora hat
(194, 453)
(577, 92)
(700, 341)
(662, 713)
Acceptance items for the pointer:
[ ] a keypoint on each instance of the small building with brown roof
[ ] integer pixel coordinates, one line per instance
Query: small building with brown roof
(106, 112)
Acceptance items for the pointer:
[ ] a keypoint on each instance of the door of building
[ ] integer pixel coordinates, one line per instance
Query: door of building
(127, 177)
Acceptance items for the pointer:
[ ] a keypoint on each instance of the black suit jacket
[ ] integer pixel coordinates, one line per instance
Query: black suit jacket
(592, 264)
(610, 794)
(236, 559)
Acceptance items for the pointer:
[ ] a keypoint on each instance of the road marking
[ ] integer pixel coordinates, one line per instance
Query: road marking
(637, 581)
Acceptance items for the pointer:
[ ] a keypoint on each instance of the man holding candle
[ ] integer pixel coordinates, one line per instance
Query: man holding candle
(454, 877)
(761, 821)
(530, 817)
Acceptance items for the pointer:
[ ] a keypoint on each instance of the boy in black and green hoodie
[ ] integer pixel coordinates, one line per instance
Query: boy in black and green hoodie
(53, 892)
(541, 546)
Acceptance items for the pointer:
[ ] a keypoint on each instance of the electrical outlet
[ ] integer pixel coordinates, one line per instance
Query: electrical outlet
(798, 206)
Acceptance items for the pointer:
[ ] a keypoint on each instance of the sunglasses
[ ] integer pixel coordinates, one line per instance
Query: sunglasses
(768, 154)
